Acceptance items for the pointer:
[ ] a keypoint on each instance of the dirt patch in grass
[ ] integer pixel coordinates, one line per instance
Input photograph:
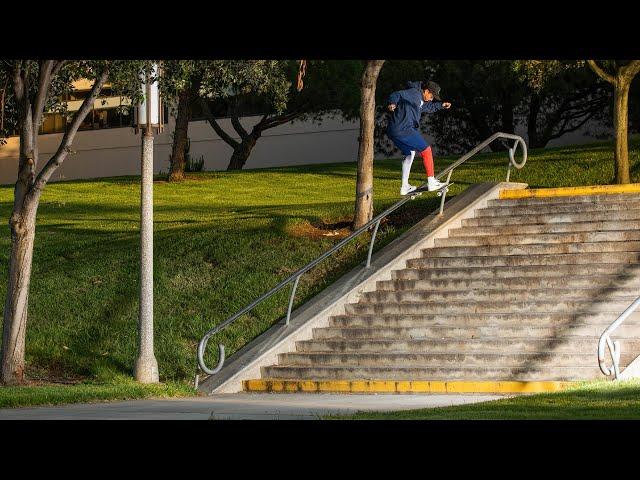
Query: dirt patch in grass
(406, 215)
(321, 229)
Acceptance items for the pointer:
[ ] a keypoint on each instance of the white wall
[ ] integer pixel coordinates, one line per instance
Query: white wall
(116, 151)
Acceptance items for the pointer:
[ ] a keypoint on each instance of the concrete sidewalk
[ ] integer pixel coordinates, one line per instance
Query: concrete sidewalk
(241, 406)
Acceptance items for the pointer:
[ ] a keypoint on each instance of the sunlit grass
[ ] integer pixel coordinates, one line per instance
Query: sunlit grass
(119, 389)
(221, 239)
(602, 400)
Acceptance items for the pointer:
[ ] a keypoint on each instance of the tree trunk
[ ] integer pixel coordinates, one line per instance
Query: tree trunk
(620, 123)
(507, 113)
(15, 308)
(242, 151)
(22, 222)
(532, 121)
(176, 170)
(364, 179)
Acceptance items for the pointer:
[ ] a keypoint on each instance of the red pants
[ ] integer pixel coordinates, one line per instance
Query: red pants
(427, 160)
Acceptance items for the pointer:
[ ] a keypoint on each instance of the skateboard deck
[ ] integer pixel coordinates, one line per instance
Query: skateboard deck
(421, 190)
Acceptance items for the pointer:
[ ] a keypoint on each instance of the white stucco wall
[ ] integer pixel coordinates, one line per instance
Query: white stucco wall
(116, 151)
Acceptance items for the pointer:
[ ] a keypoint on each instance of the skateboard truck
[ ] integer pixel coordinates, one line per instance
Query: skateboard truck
(444, 189)
(419, 191)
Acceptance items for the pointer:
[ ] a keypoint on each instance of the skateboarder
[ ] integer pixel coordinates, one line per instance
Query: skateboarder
(403, 128)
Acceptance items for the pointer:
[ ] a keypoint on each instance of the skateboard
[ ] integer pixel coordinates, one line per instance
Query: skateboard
(421, 190)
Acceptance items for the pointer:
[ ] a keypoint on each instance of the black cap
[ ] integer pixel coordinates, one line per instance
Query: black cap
(433, 88)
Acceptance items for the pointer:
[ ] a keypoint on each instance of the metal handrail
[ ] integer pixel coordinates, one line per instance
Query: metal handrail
(614, 347)
(295, 277)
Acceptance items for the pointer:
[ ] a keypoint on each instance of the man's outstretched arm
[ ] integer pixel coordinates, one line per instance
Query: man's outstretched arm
(431, 107)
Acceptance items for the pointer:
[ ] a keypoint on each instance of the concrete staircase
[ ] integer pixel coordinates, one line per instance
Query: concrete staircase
(514, 300)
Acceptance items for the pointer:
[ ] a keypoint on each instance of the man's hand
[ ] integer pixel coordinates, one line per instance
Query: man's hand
(446, 105)
(391, 107)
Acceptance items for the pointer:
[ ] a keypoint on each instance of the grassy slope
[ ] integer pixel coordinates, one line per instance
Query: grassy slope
(221, 239)
(590, 401)
(122, 389)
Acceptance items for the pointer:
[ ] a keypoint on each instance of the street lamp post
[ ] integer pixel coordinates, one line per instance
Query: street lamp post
(149, 117)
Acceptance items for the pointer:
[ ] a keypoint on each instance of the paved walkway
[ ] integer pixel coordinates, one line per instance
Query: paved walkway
(240, 406)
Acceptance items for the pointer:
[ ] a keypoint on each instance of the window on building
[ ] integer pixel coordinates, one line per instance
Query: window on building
(97, 119)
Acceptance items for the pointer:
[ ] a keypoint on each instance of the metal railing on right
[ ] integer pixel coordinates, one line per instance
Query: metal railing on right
(614, 347)
(375, 223)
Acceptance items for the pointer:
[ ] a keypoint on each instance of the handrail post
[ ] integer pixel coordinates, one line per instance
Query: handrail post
(444, 192)
(373, 239)
(293, 294)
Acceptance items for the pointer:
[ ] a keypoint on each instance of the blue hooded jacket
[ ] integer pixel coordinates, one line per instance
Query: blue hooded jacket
(405, 119)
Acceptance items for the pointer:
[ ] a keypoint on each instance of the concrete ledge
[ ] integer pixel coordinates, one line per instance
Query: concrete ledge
(570, 191)
(400, 386)
(263, 351)
(632, 371)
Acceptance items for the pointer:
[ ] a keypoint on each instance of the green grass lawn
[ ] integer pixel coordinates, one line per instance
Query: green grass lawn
(603, 400)
(89, 392)
(221, 239)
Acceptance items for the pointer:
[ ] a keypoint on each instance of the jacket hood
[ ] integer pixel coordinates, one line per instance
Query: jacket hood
(414, 84)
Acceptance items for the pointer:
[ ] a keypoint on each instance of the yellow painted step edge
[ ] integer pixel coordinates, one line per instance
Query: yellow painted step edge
(401, 386)
(570, 191)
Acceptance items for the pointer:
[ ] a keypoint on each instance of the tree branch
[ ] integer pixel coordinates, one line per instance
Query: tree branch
(2, 102)
(56, 68)
(65, 145)
(237, 126)
(18, 84)
(572, 129)
(44, 82)
(214, 124)
(630, 70)
(600, 72)
(277, 120)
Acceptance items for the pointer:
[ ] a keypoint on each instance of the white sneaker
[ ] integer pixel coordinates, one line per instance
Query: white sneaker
(405, 189)
(433, 184)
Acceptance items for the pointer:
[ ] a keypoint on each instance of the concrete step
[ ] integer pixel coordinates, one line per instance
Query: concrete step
(433, 373)
(551, 306)
(477, 319)
(544, 209)
(589, 295)
(499, 345)
(618, 258)
(532, 249)
(612, 198)
(540, 238)
(461, 333)
(518, 271)
(545, 228)
(512, 283)
(619, 215)
(452, 359)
